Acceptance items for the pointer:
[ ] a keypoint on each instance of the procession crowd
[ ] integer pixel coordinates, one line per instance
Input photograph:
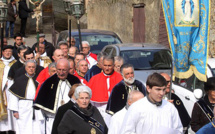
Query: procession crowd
(64, 90)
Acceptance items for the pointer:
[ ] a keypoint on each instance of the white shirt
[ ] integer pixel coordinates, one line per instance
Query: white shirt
(116, 121)
(143, 117)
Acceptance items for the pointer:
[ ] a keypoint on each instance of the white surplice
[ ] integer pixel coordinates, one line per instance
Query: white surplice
(9, 123)
(143, 117)
(116, 121)
(63, 95)
(25, 123)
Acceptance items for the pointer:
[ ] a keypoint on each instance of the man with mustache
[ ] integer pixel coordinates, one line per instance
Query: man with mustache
(120, 92)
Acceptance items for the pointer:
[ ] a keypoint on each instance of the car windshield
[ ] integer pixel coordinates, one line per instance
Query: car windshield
(97, 42)
(147, 59)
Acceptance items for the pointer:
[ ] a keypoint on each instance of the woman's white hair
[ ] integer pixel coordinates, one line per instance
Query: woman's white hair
(82, 89)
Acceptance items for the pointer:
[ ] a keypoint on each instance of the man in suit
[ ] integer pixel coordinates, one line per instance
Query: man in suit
(23, 15)
(11, 18)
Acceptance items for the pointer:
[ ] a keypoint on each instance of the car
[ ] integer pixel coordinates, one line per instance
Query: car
(96, 38)
(145, 57)
(192, 89)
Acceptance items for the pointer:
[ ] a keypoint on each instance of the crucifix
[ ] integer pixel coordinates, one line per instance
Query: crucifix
(38, 12)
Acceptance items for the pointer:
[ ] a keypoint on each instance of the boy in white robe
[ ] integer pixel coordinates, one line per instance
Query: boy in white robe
(152, 115)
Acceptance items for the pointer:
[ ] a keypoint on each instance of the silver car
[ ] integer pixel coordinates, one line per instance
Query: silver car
(146, 58)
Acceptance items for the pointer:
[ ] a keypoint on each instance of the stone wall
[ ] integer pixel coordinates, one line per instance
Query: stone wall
(212, 30)
(116, 15)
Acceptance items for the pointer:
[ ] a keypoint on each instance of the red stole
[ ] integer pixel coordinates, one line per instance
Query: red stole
(98, 85)
(82, 80)
(44, 74)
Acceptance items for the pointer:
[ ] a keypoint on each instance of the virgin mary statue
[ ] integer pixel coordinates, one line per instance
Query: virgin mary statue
(187, 8)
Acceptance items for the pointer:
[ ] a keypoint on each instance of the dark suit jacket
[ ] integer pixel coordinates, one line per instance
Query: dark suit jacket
(24, 10)
(60, 113)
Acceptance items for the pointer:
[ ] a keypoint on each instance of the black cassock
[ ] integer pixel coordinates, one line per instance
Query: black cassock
(119, 94)
(60, 113)
(46, 98)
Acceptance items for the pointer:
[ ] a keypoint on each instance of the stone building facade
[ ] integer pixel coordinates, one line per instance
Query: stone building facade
(117, 15)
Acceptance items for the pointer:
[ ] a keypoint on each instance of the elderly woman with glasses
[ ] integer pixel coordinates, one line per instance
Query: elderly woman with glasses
(83, 117)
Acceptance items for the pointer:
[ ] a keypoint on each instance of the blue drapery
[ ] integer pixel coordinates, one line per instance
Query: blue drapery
(188, 24)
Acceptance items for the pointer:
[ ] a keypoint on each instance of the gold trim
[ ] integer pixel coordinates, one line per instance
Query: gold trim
(178, 102)
(192, 70)
(16, 95)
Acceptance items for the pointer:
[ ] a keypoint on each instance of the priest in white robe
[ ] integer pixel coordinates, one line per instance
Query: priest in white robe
(152, 115)
(29, 120)
(54, 92)
(117, 119)
(6, 62)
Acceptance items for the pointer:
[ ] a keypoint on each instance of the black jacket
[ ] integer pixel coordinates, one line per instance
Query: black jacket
(14, 68)
(24, 10)
(73, 123)
(60, 113)
(15, 53)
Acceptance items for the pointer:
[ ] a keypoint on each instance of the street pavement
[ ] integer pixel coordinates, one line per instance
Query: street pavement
(31, 39)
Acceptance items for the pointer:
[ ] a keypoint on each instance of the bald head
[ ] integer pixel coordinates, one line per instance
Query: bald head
(168, 79)
(63, 67)
(134, 96)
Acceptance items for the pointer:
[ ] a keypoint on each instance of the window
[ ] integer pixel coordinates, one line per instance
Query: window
(147, 59)
(98, 42)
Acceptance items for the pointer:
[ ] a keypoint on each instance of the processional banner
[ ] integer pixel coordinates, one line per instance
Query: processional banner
(188, 25)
